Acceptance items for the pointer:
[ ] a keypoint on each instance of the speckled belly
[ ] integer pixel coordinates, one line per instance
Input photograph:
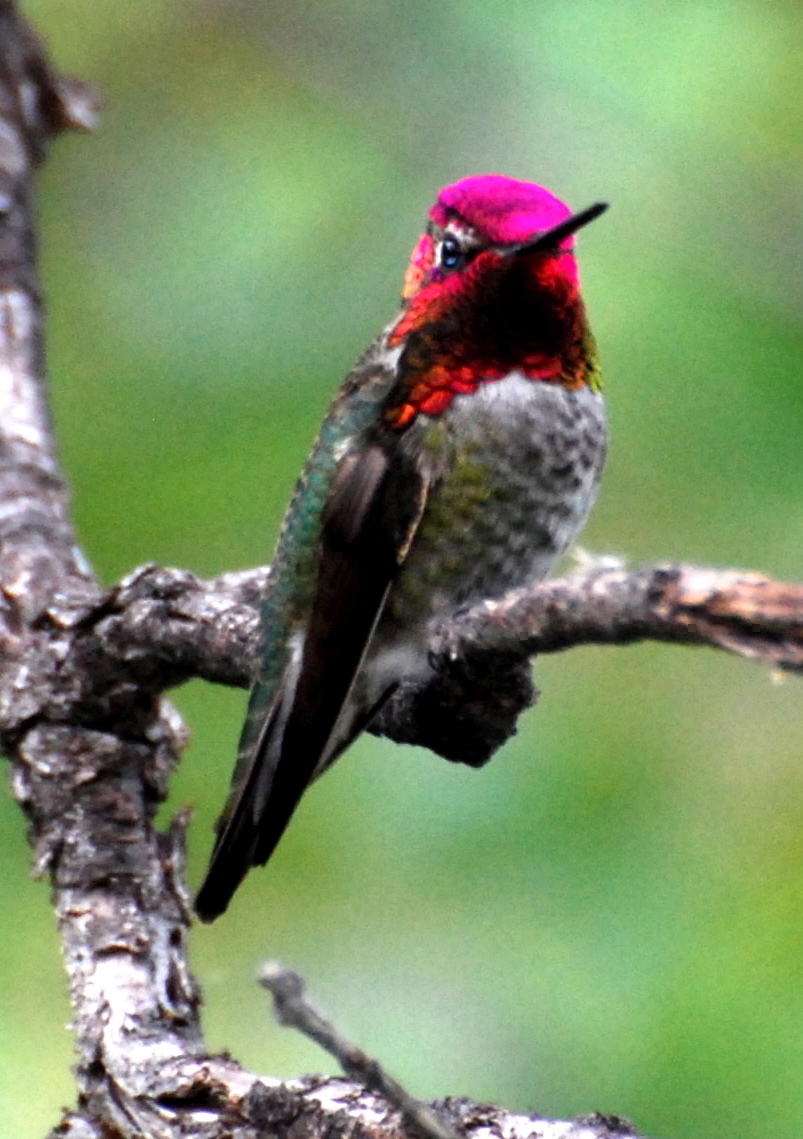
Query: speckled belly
(522, 461)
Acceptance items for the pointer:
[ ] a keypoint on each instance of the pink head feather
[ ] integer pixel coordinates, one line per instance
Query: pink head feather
(505, 210)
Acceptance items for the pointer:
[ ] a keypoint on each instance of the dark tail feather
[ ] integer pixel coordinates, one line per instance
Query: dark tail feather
(231, 861)
(249, 832)
(237, 838)
(252, 832)
(239, 827)
(272, 774)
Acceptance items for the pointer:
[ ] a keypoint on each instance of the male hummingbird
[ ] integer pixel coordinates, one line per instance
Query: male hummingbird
(458, 460)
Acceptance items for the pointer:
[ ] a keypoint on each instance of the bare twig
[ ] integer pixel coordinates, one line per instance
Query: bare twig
(293, 1010)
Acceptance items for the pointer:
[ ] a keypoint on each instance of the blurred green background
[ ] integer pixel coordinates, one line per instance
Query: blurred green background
(609, 916)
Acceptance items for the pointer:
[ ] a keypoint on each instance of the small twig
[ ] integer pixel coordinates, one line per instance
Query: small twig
(294, 1011)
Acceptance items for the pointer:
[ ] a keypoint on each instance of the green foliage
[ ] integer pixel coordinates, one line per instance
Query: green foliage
(610, 915)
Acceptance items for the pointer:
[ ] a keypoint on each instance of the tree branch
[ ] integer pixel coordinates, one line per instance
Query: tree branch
(159, 627)
(92, 743)
(744, 613)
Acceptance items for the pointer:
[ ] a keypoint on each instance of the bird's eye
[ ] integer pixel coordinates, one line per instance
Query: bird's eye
(451, 253)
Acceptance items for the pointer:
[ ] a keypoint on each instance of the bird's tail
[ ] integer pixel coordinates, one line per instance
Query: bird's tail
(247, 832)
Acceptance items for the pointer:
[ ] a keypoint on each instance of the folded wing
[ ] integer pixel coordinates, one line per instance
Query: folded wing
(296, 727)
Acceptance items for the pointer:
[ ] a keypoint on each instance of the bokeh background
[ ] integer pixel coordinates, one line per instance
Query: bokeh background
(609, 916)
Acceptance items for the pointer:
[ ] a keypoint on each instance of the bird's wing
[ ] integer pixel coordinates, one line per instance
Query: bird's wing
(369, 520)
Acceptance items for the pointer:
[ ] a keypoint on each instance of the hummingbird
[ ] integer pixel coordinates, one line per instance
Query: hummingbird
(458, 460)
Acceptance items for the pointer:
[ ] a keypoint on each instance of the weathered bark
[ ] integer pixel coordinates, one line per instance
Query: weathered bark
(159, 627)
(92, 741)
